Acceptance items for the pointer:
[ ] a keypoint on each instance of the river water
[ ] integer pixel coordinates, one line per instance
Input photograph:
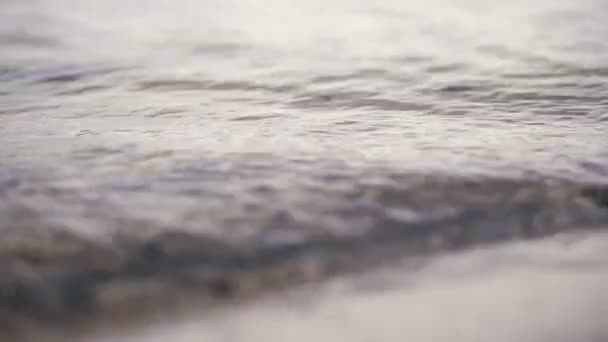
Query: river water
(176, 156)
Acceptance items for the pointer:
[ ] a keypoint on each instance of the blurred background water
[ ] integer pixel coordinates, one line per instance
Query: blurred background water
(239, 136)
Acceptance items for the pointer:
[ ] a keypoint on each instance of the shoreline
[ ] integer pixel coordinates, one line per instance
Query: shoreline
(565, 256)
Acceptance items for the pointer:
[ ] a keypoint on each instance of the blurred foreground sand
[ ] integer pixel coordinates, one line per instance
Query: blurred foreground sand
(553, 290)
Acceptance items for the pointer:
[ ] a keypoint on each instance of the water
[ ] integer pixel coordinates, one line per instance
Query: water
(158, 156)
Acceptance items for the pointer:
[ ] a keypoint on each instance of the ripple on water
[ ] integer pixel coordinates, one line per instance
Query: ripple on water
(160, 155)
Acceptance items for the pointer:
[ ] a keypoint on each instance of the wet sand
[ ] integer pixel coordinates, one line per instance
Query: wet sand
(550, 290)
(553, 289)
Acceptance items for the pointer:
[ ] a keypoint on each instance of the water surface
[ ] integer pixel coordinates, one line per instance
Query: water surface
(154, 154)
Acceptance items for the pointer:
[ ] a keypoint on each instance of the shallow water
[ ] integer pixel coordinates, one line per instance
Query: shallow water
(166, 152)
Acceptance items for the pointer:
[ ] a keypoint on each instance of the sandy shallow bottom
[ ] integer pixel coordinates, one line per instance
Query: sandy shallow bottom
(550, 290)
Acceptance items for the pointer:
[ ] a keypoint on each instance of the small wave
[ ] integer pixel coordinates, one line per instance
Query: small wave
(323, 224)
(208, 85)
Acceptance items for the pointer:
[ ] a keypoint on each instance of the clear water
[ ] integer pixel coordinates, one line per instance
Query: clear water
(191, 147)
